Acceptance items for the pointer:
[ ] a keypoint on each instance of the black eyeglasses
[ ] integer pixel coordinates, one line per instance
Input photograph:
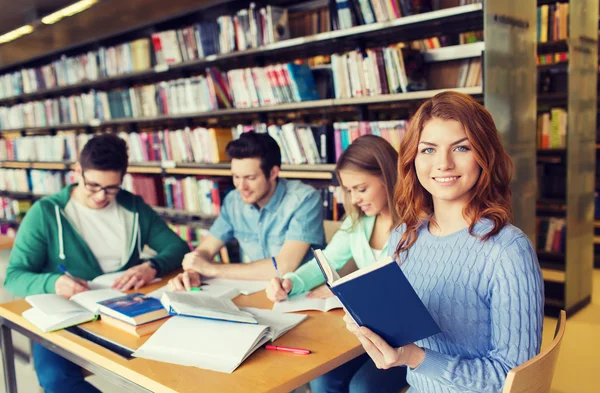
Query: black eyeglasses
(110, 190)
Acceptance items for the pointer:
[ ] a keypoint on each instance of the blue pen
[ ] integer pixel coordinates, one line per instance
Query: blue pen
(276, 268)
(62, 269)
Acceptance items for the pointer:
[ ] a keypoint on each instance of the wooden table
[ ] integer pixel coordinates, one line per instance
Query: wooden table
(264, 371)
(6, 242)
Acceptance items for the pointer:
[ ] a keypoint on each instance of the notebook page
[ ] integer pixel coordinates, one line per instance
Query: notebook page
(203, 305)
(300, 303)
(214, 345)
(48, 323)
(332, 302)
(89, 299)
(51, 304)
(245, 287)
(221, 291)
(278, 322)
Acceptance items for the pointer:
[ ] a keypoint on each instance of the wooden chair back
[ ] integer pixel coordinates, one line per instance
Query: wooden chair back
(535, 375)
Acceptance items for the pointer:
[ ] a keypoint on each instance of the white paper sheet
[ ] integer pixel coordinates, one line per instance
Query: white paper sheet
(303, 303)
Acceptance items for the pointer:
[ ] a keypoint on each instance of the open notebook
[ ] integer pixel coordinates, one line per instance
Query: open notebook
(200, 305)
(244, 287)
(303, 303)
(215, 345)
(53, 312)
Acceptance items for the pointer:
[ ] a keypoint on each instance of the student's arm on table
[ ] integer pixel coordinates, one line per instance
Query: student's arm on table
(196, 263)
(25, 273)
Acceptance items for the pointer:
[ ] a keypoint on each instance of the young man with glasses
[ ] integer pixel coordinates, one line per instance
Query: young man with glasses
(90, 228)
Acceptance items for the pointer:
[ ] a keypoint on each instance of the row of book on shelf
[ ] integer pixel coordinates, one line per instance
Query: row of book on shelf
(552, 22)
(371, 72)
(552, 58)
(551, 232)
(299, 143)
(552, 129)
(248, 28)
(260, 86)
(195, 195)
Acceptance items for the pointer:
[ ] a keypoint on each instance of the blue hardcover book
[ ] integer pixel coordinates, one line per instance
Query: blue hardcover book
(381, 298)
(303, 82)
(134, 308)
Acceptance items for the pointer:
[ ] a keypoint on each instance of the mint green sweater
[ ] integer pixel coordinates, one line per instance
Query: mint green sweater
(346, 244)
(46, 239)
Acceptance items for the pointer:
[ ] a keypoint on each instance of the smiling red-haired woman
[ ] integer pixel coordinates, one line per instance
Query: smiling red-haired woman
(476, 273)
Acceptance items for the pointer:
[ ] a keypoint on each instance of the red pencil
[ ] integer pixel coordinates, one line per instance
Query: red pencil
(298, 351)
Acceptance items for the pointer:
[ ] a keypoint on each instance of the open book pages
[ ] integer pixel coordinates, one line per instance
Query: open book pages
(51, 312)
(245, 287)
(200, 305)
(207, 344)
(108, 279)
(331, 275)
(279, 323)
(302, 303)
(213, 290)
(214, 345)
(334, 279)
(385, 260)
(56, 304)
(52, 322)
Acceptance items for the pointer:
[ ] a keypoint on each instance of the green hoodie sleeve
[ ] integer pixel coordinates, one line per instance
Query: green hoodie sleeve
(170, 248)
(28, 261)
(337, 252)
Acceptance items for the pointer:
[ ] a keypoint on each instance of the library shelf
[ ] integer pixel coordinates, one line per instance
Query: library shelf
(303, 171)
(464, 18)
(316, 104)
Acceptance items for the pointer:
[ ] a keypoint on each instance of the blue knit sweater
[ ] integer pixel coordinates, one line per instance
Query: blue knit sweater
(487, 298)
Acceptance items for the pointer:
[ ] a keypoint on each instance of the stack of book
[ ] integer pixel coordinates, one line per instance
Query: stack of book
(133, 313)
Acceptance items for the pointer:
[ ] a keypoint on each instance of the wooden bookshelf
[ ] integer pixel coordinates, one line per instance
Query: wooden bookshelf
(553, 275)
(552, 47)
(568, 285)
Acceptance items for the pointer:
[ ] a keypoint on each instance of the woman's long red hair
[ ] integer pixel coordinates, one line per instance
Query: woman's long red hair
(491, 196)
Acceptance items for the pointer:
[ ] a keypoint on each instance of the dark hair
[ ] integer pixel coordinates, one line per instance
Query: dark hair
(374, 155)
(491, 194)
(105, 152)
(256, 145)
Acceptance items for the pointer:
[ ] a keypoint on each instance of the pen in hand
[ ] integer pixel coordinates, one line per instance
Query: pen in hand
(72, 277)
(276, 269)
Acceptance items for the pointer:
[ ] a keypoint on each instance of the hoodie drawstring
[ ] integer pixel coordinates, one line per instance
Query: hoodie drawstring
(139, 236)
(61, 245)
